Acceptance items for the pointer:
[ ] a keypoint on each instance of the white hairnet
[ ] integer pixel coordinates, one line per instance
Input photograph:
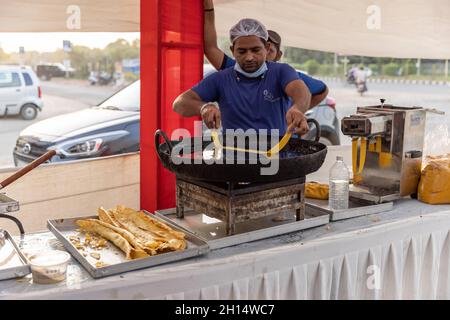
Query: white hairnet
(248, 27)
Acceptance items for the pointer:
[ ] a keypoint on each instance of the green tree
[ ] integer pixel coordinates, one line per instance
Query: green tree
(312, 66)
(390, 69)
(410, 68)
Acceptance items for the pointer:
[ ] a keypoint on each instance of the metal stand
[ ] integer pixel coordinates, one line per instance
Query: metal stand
(8, 205)
(234, 203)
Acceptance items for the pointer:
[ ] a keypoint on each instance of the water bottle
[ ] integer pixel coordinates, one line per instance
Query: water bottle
(339, 181)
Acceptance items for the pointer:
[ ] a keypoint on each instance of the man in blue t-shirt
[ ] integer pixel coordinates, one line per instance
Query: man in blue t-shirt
(254, 94)
(220, 60)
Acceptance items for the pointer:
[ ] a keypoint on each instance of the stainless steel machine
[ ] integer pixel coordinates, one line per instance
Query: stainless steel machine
(387, 145)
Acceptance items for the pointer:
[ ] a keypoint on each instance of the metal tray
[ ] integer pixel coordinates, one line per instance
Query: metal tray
(7, 204)
(13, 263)
(357, 208)
(63, 228)
(213, 231)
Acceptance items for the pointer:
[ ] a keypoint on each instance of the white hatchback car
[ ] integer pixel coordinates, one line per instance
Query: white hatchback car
(20, 92)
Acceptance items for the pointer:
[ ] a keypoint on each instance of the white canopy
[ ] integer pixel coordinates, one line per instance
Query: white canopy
(381, 28)
(61, 15)
(400, 28)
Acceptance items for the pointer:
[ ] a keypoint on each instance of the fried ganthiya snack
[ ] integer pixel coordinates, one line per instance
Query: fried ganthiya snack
(146, 222)
(134, 241)
(108, 233)
(174, 239)
(171, 239)
(149, 241)
(107, 216)
(103, 215)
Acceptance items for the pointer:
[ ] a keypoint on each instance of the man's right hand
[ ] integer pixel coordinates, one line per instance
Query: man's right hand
(211, 116)
(296, 121)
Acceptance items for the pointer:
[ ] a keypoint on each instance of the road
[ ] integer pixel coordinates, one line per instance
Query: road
(60, 97)
(64, 96)
(77, 90)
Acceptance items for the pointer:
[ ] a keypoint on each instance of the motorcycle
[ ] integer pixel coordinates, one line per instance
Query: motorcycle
(351, 78)
(361, 87)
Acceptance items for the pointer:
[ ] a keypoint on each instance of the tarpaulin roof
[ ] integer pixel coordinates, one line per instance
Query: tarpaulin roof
(64, 15)
(384, 28)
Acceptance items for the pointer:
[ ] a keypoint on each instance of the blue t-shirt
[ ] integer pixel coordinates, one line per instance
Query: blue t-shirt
(315, 86)
(250, 103)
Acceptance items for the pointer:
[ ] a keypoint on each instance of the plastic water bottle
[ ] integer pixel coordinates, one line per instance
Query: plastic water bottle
(339, 181)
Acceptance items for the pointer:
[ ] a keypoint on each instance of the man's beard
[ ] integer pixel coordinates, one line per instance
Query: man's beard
(250, 67)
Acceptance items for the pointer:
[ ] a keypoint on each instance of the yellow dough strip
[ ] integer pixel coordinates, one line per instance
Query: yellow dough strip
(362, 158)
(277, 148)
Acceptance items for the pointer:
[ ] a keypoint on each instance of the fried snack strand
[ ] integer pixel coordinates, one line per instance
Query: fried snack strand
(149, 241)
(93, 225)
(134, 241)
(172, 239)
(104, 216)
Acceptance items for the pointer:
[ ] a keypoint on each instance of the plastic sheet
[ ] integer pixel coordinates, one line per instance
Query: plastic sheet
(434, 185)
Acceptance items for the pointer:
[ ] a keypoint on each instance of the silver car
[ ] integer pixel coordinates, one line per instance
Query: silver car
(20, 92)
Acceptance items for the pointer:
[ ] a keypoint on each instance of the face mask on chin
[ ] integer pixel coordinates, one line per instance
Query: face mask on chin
(255, 74)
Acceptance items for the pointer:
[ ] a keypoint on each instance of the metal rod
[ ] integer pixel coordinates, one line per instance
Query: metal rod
(46, 156)
(17, 221)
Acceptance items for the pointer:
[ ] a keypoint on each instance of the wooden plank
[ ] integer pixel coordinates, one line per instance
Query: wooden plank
(34, 216)
(73, 189)
(62, 180)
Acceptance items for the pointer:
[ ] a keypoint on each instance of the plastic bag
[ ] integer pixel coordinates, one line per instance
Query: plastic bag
(315, 190)
(434, 185)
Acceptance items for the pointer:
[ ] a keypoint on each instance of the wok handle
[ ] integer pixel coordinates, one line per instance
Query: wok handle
(46, 156)
(160, 133)
(318, 133)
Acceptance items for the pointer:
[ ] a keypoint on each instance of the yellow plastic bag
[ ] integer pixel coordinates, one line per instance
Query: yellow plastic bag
(434, 185)
(315, 190)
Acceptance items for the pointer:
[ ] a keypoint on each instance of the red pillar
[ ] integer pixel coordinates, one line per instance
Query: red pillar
(171, 62)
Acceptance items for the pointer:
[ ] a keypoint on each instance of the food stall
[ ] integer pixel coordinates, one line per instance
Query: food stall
(396, 251)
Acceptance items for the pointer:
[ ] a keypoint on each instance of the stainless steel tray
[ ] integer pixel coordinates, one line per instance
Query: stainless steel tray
(7, 204)
(63, 228)
(213, 231)
(357, 208)
(13, 263)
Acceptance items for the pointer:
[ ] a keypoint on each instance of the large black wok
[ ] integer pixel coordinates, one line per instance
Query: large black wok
(298, 158)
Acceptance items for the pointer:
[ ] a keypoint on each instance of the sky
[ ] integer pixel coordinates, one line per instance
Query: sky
(50, 41)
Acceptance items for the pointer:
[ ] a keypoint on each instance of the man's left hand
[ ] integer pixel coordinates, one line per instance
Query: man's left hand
(297, 120)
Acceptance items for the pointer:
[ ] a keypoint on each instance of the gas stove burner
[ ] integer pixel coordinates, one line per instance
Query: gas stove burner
(234, 202)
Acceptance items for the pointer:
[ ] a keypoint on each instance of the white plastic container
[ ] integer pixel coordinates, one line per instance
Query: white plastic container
(49, 266)
(339, 185)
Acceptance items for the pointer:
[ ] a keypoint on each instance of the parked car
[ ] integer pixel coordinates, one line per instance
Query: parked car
(20, 92)
(112, 127)
(48, 71)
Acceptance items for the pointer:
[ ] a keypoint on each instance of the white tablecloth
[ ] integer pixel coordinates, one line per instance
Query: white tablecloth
(406, 252)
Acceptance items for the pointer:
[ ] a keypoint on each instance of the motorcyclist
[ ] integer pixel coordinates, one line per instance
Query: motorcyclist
(351, 74)
(360, 79)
